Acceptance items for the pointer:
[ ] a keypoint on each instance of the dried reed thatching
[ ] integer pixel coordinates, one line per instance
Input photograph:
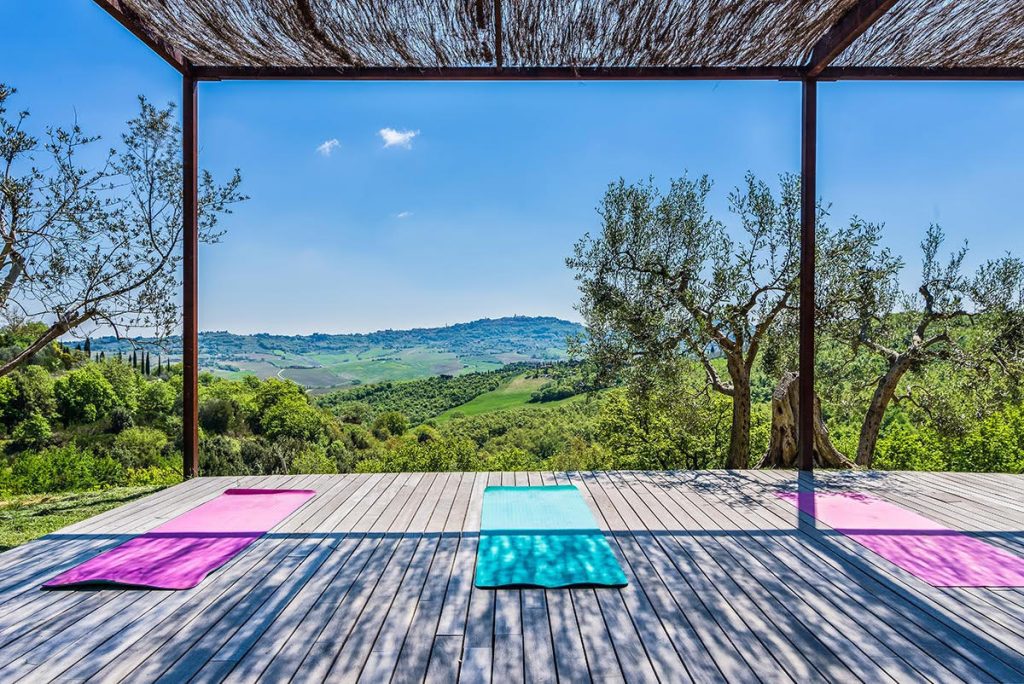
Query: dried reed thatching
(576, 33)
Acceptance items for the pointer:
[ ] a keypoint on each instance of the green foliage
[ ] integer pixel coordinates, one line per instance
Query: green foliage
(140, 447)
(84, 395)
(34, 431)
(124, 381)
(413, 456)
(220, 415)
(156, 400)
(312, 459)
(417, 399)
(293, 416)
(390, 424)
(221, 455)
(60, 469)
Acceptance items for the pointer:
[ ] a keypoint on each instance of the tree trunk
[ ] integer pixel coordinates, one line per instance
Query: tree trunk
(784, 447)
(52, 333)
(884, 392)
(739, 437)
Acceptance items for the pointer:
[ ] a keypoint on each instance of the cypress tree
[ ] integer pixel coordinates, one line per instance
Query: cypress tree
(103, 356)
(135, 358)
(147, 363)
(88, 346)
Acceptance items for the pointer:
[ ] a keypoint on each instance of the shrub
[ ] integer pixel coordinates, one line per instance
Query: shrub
(356, 437)
(312, 459)
(354, 412)
(219, 415)
(293, 416)
(65, 468)
(124, 381)
(140, 447)
(121, 419)
(344, 458)
(34, 431)
(155, 476)
(222, 455)
(156, 400)
(443, 455)
(84, 395)
(390, 424)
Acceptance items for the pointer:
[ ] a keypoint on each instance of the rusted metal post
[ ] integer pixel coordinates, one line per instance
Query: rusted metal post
(808, 211)
(190, 283)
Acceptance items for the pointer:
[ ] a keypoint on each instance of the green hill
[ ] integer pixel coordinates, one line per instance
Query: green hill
(325, 361)
(515, 392)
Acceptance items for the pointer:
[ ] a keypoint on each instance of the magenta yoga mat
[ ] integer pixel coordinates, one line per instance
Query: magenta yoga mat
(185, 549)
(931, 552)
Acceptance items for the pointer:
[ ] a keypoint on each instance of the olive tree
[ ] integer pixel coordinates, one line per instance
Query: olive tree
(666, 280)
(970, 320)
(88, 236)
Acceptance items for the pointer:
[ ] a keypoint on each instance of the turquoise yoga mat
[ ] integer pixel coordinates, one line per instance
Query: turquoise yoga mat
(542, 537)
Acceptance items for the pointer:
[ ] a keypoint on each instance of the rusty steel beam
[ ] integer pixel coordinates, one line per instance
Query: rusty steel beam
(784, 73)
(808, 218)
(131, 21)
(850, 26)
(922, 74)
(190, 283)
(488, 73)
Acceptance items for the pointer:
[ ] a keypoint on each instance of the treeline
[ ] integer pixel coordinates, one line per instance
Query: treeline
(539, 337)
(70, 422)
(418, 400)
(73, 421)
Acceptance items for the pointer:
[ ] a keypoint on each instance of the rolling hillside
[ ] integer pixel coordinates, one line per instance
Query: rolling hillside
(322, 362)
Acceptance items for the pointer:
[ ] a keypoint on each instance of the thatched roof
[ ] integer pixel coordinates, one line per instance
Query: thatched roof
(763, 38)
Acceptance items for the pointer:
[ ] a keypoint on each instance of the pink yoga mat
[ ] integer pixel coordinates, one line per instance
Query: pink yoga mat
(182, 551)
(936, 554)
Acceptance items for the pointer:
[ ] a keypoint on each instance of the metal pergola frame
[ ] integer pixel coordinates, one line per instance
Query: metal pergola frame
(819, 68)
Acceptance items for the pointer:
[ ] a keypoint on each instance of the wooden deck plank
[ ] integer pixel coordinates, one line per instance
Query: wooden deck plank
(847, 593)
(332, 492)
(76, 620)
(795, 602)
(566, 633)
(116, 612)
(638, 638)
(538, 652)
(172, 644)
(690, 600)
(373, 580)
(665, 650)
(384, 567)
(970, 653)
(795, 647)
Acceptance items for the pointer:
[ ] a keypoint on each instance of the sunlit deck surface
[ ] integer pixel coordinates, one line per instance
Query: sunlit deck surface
(373, 579)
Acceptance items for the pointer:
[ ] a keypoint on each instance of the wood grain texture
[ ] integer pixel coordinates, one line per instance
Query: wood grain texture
(373, 581)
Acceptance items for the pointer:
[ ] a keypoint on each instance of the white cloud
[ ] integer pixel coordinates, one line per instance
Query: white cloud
(403, 214)
(327, 147)
(394, 138)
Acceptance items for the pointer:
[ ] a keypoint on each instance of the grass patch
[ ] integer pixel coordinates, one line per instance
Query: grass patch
(28, 516)
(516, 392)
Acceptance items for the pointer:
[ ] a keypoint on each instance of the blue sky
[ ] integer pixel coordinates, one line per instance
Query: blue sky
(475, 216)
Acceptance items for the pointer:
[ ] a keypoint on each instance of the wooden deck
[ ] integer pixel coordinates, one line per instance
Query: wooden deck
(373, 580)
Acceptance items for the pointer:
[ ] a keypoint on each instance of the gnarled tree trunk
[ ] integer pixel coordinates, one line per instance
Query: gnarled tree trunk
(884, 392)
(784, 447)
(739, 436)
